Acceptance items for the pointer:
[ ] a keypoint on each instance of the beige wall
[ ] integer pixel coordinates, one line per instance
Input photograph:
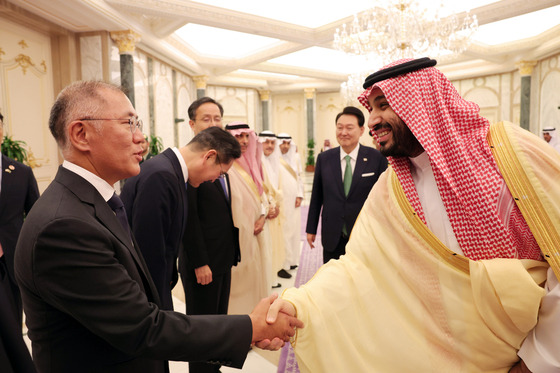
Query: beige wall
(26, 94)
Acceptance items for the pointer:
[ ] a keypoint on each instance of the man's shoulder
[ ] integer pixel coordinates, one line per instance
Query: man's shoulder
(330, 153)
(15, 165)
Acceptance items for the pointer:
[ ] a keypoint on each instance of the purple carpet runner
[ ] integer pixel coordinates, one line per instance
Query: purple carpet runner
(309, 263)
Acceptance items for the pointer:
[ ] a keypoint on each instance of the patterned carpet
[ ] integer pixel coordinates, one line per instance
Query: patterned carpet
(310, 261)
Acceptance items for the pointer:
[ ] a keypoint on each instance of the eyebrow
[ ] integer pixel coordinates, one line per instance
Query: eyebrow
(380, 97)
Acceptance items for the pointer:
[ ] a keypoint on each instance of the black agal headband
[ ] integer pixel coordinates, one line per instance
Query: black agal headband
(401, 69)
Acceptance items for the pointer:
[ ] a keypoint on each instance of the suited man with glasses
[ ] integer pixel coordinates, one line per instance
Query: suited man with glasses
(156, 200)
(89, 300)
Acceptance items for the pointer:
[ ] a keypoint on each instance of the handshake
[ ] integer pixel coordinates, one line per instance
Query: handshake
(274, 322)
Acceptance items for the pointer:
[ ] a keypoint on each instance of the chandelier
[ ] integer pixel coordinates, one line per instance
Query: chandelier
(405, 29)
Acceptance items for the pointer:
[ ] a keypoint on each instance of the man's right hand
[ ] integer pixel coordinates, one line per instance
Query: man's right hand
(266, 333)
(203, 275)
(311, 239)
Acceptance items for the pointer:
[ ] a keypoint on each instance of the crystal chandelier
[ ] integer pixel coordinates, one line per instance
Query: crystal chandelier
(405, 29)
(398, 29)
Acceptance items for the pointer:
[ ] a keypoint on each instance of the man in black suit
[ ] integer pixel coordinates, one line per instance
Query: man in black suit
(18, 193)
(343, 178)
(90, 302)
(156, 200)
(211, 241)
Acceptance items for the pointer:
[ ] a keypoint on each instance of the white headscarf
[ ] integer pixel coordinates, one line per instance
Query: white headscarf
(291, 156)
(271, 163)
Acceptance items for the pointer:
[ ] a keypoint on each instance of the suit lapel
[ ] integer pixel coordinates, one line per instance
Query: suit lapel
(6, 181)
(337, 169)
(172, 157)
(103, 213)
(361, 162)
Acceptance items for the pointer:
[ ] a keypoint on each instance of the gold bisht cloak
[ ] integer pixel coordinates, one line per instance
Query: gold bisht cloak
(400, 301)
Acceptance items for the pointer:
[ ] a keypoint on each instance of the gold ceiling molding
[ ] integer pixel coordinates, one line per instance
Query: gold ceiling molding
(265, 94)
(200, 81)
(126, 40)
(525, 67)
(23, 44)
(309, 93)
(1, 53)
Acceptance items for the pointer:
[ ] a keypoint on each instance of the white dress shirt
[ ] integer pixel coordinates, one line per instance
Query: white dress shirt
(353, 157)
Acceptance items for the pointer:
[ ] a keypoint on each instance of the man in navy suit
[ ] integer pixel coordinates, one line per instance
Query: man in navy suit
(211, 241)
(89, 299)
(343, 178)
(156, 200)
(18, 193)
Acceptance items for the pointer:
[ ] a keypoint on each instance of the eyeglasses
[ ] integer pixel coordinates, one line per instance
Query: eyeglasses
(133, 122)
(222, 173)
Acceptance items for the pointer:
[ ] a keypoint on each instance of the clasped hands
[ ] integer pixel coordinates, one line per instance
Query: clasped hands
(274, 322)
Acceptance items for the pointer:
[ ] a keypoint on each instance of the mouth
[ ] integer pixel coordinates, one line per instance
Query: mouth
(138, 155)
(382, 132)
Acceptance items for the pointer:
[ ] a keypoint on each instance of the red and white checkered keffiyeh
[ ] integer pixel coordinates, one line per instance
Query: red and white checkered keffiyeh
(251, 160)
(453, 134)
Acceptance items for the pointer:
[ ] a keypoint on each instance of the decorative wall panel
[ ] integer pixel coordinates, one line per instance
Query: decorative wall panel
(163, 103)
(26, 95)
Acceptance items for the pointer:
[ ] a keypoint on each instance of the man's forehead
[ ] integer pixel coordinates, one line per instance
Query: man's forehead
(208, 106)
(376, 93)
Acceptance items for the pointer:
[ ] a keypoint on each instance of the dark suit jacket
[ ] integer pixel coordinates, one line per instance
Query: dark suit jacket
(19, 193)
(210, 237)
(90, 302)
(328, 192)
(156, 205)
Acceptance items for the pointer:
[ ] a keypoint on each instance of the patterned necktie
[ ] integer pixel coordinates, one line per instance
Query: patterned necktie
(117, 206)
(347, 176)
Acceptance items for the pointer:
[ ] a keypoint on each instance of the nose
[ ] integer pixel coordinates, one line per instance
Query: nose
(137, 136)
(373, 119)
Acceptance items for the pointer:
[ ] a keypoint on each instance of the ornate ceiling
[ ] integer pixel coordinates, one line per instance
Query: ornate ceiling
(268, 66)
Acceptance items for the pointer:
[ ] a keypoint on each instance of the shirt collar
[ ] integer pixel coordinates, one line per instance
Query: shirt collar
(182, 163)
(353, 154)
(103, 187)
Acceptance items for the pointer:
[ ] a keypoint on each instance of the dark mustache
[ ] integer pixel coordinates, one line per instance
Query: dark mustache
(378, 127)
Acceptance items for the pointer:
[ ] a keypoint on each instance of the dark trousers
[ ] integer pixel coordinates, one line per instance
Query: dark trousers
(339, 250)
(12, 293)
(211, 299)
(14, 355)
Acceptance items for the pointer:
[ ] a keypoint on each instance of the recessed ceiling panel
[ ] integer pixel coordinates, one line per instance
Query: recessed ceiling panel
(222, 43)
(323, 59)
(520, 27)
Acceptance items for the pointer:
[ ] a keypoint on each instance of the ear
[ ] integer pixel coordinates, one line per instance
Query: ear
(191, 123)
(362, 128)
(77, 133)
(210, 154)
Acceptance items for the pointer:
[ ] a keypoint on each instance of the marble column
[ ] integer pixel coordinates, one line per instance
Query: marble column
(525, 70)
(200, 81)
(265, 102)
(126, 42)
(310, 112)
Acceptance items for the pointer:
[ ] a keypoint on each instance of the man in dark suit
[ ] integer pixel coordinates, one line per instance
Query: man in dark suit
(343, 178)
(211, 241)
(18, 192)
(156, 200)
(90, 302)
